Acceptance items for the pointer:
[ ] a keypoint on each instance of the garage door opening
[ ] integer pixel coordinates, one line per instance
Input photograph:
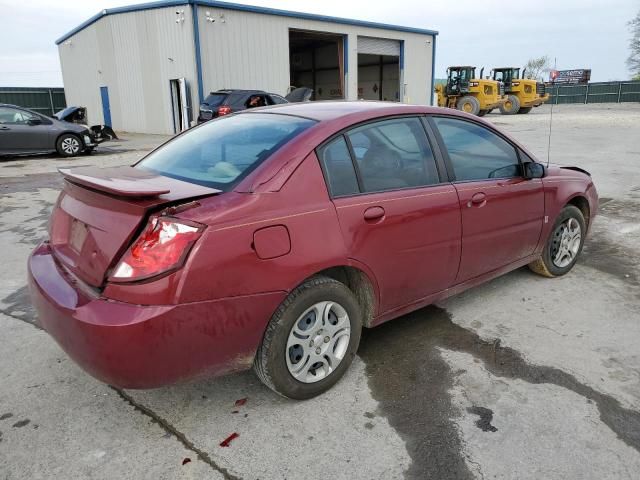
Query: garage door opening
(317, 62)
(378, 77)
(379, 69)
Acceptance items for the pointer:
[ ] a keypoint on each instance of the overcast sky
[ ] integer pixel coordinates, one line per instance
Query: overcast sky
(579, 33)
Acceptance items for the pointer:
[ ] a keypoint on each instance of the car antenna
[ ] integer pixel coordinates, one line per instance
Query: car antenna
(554, 74)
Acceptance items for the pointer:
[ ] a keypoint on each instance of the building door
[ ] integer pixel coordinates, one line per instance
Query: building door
(379, 69)
(106, 109)
(180, 104)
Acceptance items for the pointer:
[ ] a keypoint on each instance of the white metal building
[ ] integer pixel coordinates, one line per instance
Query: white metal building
(146, 68)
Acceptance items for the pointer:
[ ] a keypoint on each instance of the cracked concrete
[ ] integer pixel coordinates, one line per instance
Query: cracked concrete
(523, 377)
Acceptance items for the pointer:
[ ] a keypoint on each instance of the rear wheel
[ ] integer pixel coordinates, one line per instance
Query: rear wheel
(310, 340)
(524, 110)
(511, 106)
(469, 104)
(564, 244)
(69, 145)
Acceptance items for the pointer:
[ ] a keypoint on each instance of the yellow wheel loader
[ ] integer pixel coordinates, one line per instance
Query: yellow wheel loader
(465, 92)
(522, 93)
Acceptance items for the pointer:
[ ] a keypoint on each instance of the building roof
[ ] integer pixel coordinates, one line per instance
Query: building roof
(241, 8)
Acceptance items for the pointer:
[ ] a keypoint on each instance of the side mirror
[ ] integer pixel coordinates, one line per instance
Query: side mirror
(34, 121)
(534, 170)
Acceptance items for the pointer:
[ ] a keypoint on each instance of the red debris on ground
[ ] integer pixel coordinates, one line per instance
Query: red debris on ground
(227, 441)
(241, 402)
(186, 460)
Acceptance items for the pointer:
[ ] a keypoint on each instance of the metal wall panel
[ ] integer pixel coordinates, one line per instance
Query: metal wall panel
(251, 50)
(46, 101)
(135, 55)
(600, 92)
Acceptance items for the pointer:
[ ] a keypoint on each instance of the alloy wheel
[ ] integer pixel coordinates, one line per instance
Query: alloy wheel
(70, 145)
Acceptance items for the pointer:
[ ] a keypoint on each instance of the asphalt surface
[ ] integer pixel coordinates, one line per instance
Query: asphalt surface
(523, 377)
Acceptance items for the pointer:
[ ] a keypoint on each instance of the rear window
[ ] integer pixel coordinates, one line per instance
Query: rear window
(221, 152)
(215, 99)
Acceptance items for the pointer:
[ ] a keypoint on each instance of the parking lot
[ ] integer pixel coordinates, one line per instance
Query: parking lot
(523, 377)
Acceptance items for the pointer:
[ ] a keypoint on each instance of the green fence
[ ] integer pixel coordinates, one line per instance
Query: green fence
(597, 92)
(46, 101)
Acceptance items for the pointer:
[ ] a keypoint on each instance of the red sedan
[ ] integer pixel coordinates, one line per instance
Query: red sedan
(273, 236)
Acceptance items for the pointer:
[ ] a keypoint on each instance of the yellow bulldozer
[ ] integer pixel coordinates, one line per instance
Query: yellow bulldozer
(522, 93)
(465, 92)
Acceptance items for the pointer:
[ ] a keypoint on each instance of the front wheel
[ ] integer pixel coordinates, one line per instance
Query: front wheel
(511, 106)
(69, 145)
(469, 104)
(564, 244)
(310, 340)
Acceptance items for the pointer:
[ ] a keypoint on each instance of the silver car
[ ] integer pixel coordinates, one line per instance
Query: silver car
(25, 132)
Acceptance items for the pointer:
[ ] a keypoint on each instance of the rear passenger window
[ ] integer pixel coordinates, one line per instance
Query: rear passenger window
(338, 168)
(476, 153)
(393, 154)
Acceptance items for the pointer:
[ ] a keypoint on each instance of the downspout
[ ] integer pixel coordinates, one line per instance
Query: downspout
(433, 70)
(403, 92)
(196, 44)
(345, 77)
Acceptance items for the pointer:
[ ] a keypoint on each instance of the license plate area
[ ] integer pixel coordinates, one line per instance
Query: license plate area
(77, 235)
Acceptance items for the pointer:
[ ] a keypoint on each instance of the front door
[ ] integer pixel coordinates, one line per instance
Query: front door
(22, 131)
(502, 212)
(396, 215)
(106, 107)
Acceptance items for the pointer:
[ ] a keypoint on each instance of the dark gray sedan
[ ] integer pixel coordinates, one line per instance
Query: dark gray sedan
(25, 132)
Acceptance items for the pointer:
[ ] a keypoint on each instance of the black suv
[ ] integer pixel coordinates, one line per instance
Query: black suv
(224, 102)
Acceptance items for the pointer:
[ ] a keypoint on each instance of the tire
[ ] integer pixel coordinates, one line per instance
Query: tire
(274, 361)
(511, 106)
(524, 110)
(549, 264)
(482, 113)
(69, 145)
(469, 104)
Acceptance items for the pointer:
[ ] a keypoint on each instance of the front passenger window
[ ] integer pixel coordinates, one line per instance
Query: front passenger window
(476, 153)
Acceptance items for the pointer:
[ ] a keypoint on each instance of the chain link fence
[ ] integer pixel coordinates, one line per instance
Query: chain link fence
(46, 101)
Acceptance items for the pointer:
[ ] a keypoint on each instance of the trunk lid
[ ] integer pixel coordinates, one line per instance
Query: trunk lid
(101, 210)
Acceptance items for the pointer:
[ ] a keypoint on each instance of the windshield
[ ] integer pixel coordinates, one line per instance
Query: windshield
(221, 152)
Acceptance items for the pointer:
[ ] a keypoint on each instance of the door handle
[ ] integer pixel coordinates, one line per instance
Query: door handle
(373, 213)
(5, 128)
(477, 200)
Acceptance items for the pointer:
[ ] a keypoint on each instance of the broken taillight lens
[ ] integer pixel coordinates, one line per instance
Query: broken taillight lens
(224, 110)
(162, 247)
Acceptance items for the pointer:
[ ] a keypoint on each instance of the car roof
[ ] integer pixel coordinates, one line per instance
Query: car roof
(233, 90)
(327, 110)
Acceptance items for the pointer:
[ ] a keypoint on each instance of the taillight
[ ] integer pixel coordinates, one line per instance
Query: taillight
(162, 247)
(224, 110)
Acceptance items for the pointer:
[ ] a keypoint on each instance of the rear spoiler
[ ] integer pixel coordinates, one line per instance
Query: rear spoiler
(115, 181)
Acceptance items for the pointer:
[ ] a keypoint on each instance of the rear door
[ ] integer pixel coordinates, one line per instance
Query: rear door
(502, 212)
(396, 215)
